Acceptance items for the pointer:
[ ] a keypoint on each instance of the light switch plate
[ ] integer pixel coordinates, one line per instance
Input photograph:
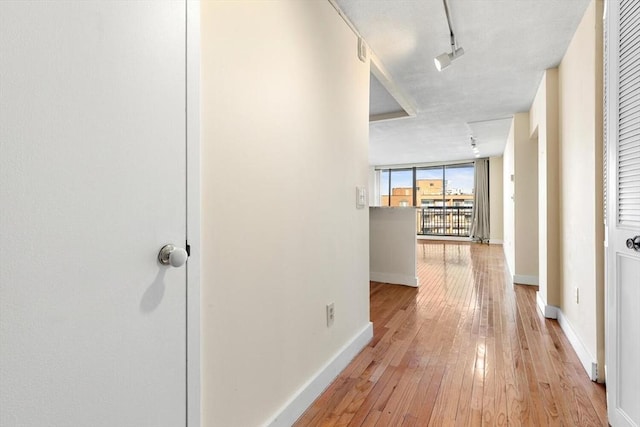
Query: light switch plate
(362, 50)
(361, 197)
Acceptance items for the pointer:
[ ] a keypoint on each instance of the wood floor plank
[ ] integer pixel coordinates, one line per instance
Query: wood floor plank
(489, 412)
(497, 281)
(466, 348)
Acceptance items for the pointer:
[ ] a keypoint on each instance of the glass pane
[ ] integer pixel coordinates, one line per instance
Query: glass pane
(401, 187)
(459, 187)
(429, 197)
(384, 187)
(445, 197)
(429, 186)
(459, 180)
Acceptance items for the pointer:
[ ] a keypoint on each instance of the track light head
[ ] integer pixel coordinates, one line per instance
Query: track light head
(442, 61)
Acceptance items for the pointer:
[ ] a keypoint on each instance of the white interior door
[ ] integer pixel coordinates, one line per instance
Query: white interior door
(92, 185)
(623, 212)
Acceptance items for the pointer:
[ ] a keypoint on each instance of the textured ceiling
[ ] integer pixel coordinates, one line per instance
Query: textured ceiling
(508, 44)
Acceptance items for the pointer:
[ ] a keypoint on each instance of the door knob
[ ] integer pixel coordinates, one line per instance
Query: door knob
(173, 256)
(634, 243)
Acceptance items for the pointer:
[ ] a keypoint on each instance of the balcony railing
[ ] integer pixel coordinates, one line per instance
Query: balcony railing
(445, 220)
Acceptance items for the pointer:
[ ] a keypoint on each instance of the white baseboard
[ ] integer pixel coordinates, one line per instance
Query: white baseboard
(305, 396)
(589, 363)
(586, 359)
(495, 241)
(548, 311)
(521, 279)
(396, 279)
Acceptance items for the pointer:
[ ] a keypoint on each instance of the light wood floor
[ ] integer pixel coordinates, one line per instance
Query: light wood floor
(467, 348)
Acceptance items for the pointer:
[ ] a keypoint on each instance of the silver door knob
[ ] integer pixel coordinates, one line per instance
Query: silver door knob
(173, 256)
(634, 243)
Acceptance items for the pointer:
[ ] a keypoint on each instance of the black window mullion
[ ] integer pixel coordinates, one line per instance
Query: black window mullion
(389, 189)
(415, 190)
(444, 202)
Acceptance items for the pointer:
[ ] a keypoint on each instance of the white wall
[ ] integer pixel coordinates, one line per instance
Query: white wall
(581, 212)
(496, 200)
(526, 203)
(566, 118)
(508, 188)
(543, 128)
(284, 145)
(520, 202)
(392, 245)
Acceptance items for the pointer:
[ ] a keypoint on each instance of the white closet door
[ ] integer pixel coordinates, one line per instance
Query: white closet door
(623, 213)
(92, 185)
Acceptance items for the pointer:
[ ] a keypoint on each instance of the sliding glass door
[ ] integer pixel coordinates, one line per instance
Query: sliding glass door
(430, 188)
(458, 200)
(442, 194)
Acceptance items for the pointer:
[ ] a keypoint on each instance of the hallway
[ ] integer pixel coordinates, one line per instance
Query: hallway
(465, 348)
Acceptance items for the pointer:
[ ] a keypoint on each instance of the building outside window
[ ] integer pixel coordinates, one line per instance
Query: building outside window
(444, 195)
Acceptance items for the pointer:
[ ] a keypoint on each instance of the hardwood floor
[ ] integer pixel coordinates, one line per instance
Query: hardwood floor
(467, 348)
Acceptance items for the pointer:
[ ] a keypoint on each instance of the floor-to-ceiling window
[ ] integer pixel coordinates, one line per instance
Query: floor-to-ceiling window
(442, 194)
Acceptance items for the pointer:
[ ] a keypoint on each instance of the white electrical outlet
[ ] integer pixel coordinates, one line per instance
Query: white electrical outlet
(331, 314)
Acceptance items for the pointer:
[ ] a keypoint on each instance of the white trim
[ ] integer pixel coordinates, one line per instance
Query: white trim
(404, 101)
(306, 394)
(611, 87)
(522, 279)
(393, 278)
(193, 211)
(548, 311)
(495, 241)
(589, 363)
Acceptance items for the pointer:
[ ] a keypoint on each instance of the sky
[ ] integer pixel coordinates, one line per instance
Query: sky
(457, 177)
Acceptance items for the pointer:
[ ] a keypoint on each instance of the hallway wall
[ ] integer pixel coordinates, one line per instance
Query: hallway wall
(581, 181)
(543, 127)
(496, 200)
(508, 188)
(285, 143)
(520, 203)
(566, 118)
